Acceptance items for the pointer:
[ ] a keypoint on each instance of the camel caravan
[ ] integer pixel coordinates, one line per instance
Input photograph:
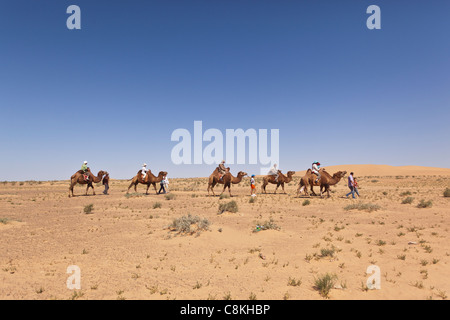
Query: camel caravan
(314, 177)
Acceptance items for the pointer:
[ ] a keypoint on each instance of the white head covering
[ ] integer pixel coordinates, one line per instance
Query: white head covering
(85, 162)
(144, 165)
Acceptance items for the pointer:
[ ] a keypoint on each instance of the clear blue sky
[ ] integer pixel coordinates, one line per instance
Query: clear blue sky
(113, 92)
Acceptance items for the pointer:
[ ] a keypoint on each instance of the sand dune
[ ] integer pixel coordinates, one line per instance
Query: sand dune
(386, 170)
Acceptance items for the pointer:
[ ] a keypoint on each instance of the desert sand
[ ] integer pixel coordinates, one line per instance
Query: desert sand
(125, 249)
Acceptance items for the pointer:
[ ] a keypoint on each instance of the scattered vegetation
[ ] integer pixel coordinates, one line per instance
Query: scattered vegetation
(425, 204)
(325, 283)
(170, 196)
(306, 203)
(189, 224)
(408, 200)
(267, 225)
(326, 252)
(133, 195)
(4, 220)
(369, 207)
(447, 193)
(229, 206)
(293, 282)
(88, 208)
(157, 205)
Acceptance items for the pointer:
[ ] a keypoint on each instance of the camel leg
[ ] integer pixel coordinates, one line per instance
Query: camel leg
(224, 187)
(131, 184)
(282, 187)
(154, 186)
(276, 188)
(300, 189)
(87, 188)
(212, 188)
(93, 190)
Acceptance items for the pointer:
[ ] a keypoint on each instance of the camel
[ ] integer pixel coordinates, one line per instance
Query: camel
(282, 179)
(227, 180)
(326, 180)
(78, 178)
(150, 179)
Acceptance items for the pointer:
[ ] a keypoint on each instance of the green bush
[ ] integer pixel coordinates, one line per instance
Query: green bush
(325, 283)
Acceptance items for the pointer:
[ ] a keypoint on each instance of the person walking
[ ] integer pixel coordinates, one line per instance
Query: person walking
(106, 183)
(355, 185)
(351, 185)
(166, 184)
(252, 186)
(161, 183)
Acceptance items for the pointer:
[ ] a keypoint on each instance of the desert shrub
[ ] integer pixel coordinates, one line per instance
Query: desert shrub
(170, 196)
(425, 204)
(294, 282)
(157, 205)
(406, 193)
(306, 203)
(325, 283)
(326, 252)
(132, 195)
(224, 196)
(447, 192)
(88, 208)
(4, 220)
(408, 200)
(252, 200)
(268, 225)
(189, 224)
(229, 206)
(363, 207)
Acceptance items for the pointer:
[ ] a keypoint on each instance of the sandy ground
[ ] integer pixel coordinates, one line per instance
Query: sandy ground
(125, 250)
